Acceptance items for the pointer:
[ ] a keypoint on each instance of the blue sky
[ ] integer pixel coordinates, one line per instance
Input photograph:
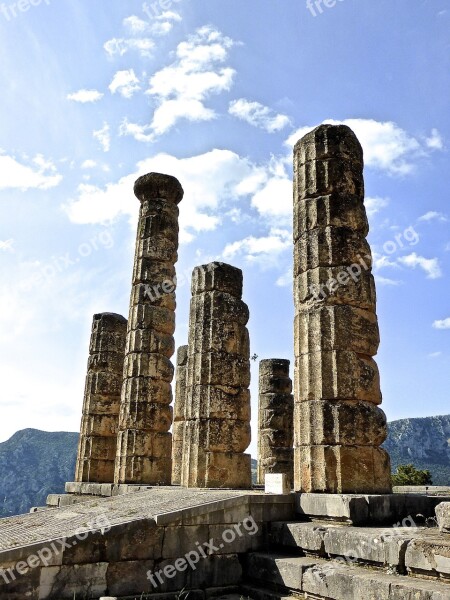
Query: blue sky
(215, 93)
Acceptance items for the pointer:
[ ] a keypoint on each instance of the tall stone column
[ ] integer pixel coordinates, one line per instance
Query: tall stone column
(217, 427)
(101, 405)
(144, 447)
(178, 414)
(338, 425)
(275, 419)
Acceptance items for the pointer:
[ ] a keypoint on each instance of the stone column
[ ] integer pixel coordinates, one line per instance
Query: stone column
(275, 419)
(144, 447)
(338, 425)
(217, 427)
(101, 405)
(178, 415)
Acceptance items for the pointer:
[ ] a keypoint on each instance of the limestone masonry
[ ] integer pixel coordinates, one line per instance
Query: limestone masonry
(338, 425)
(275, 419)
(217, 426)
(144, 445)
(178, 414)
(100, 419)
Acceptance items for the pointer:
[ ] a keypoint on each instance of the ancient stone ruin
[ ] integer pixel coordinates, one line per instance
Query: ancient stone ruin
(341, 535)
(144, 446)
(275, 420)
(101, 405)
(178, 414)
(338, 425)
(217, 413)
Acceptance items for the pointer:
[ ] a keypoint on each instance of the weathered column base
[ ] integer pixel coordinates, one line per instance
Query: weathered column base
(228, 470)
(342, 470)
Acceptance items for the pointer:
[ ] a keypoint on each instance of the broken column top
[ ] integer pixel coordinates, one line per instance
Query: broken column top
(217, 277)
(182, 355)
(155, 186)
(329, 141)
(280, 366)
(110, 318)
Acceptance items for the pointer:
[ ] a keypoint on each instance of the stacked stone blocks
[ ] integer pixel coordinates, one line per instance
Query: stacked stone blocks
(179, 414)
(338, 425)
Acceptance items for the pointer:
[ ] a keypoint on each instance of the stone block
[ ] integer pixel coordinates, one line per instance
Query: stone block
(277, 483)
(219, 435)
(443, 516)
(335, 375)
(146, 316)
(146, 389)
(342, 470)
(218, 368)
(330, 247)
(340, 422)
(330, 176)
(340, 327)
(152, 365)
(67, 582)
(149, 341)
(132, 468)
(218, 402)
(335, 285)
(333, 210)
(218, 277)
(329, 141)
(140, 444)
(146, 416)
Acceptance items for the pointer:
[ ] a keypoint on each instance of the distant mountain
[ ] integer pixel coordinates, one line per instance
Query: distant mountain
(34, 464)
(423, 442)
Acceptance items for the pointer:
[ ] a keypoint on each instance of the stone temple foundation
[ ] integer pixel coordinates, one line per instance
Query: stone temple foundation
(217, 426)
(101, 405)
(339, 426)
(275, 420)
(144, 445)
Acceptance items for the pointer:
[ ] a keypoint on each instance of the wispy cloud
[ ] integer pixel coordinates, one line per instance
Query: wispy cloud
(7, 245)
(39, 173)
(387, 147)
(85, 96)
(442, 324)
(435, 141)
(258, 115)
(182, 89)
(434, 216)
(125, 83)
(375, 204)
(120, 46)
(264, 250)
(429, 265)
(103, 136)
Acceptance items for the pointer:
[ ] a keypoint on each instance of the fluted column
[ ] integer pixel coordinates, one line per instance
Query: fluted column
(338, 425)
(275, 419)
(179, 414)
(101, 405)
(144, 448)
(217, 427)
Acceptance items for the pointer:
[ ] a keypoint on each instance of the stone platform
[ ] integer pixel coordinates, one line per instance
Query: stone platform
(359, 509)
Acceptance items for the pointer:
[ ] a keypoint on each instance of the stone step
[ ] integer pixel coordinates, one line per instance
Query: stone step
(417, 551)
(254, 592)
(332, 580)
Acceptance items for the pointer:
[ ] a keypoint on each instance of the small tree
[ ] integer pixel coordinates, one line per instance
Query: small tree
(409, 475)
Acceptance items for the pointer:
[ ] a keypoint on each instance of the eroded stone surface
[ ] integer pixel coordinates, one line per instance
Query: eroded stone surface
(275, 420)
(217, 410)
(338, 425)
(101, 406)
(179, 414)
(144, 446)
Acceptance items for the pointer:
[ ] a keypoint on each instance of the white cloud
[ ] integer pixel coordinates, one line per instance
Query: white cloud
(386, 280)
(125, 83)
(103, 136)
(435, 355)
(443, 324)
(158, 25)
(387, 147)
(433, 216)
(435, 141)
(286, 279)
(263, 250)
(375, 204)
(40, 174)
(181, 89)
(7, 245)
(429, 265)
(382, 262)
(89, 164)
(214, 183)
(120, 46)
(258, 115)
(85, 96)
(275, 199)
